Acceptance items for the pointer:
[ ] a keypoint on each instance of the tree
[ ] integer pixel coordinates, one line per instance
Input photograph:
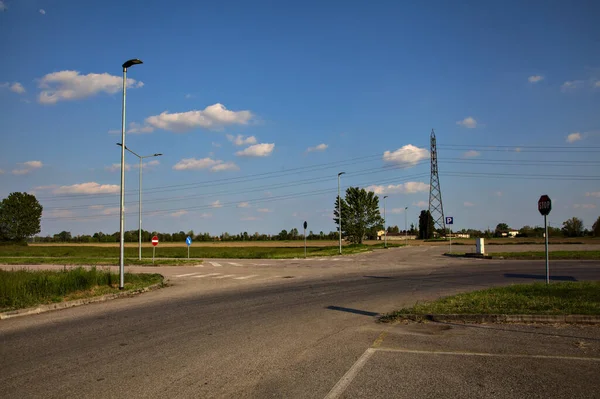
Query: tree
(20, 215)
(573, 227)
(360, 213)
(500, 228)
(596, 228)
(426, 225)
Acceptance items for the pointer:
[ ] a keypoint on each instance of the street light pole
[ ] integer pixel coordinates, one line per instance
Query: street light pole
(126, 65)
(340, 210)
(141, 158)
(405, 224)
(384, 223)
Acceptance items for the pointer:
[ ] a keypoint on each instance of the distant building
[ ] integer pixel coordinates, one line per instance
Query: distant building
(395, 236)
(509, 233)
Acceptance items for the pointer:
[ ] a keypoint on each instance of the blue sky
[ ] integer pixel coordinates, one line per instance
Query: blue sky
(257, 106)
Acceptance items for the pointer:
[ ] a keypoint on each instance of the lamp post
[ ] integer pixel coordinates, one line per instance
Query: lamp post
(126, 65)
(340, 210)
(384, 223)
(405, 224)
(140, 157)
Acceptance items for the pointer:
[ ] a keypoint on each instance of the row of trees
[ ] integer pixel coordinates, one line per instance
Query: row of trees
(20, 215)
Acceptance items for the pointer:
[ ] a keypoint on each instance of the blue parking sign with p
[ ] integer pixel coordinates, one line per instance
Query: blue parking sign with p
(449, 220)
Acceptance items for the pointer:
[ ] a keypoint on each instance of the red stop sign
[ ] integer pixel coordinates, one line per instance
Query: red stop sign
(544, 205)
(155, 240)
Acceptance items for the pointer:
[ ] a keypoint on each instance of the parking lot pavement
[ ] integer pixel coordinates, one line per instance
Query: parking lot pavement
(461, 360)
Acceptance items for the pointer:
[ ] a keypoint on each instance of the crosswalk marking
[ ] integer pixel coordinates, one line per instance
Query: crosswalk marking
(225, 276)
(234, 264)
(206, 275)
(186, 275)
(215, 264)
(246, 277)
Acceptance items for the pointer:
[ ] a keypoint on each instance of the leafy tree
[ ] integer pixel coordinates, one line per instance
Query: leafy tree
(501, 227)
(426, 225)
(596, 228)
(360, 213)
(572, 227)
(63, 236)
(283, 235)
(20, 215)
(393, 229)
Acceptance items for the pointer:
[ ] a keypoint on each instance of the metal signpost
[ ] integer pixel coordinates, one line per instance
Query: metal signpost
(450, 220)
(188, 241)
(305, 226)
(544, 207)
(154, 244)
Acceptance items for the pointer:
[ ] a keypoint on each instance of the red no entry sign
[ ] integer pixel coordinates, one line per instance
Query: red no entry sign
(155, 240)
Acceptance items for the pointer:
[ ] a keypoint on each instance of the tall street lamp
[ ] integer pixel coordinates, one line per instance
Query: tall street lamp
(384, 222)
(340, 210)
(126, 65)
(405, 224)
(140, 157)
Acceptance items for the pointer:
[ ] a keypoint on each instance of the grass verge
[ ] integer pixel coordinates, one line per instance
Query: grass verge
(105, 255)
(581, 298)
(79, 261)
(556, 255)
(24, 288)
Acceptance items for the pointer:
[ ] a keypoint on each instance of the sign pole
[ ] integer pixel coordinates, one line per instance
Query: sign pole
(188, 251)
(153, 251)
(546, 241)
(305, 226)
(450, 241)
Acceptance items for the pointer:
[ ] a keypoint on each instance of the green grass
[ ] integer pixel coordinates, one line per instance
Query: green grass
(556, 255)
(106, 255)
(25, 288)
(582, 298)
(75, 261)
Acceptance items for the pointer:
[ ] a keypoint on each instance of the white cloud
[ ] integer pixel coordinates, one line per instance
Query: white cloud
(264, 210)
(188, 96)
(71, 85)
(96, 207)
(216, 204)
(217, 145)
(584, 206)
(498, 193)
(408, 154)
(114, 131)
(573, 137)
(116, 167)
(88, 188)
(215, 165)
(212, 117)
(3, 6)
(136, 128)
(50, 187)
(179, 213)
(535, 78)
(572, 85)
(468, 204)
(42, 11)
(471, 154)
(148, 164)
(518, 149)
(410, 187)
(30, 166)
(468, 122)
(239, 140)
(1, 172)
(421, 204)
(597, 84)
(59, 213)
(112, 211)
(397, 210)
(320, 147)
(268, 194)
(257, 150)
(249, 218)
(17, 88)
(243, 205)
(593, 194)
(205, 215)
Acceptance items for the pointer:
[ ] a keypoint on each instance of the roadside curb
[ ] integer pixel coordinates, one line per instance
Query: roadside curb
(504, 318)
(469, 255)
(78, 302)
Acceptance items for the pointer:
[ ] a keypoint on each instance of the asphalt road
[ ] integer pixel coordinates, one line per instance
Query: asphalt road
(301, 329)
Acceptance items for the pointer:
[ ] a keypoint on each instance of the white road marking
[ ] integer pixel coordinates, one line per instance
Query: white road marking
(215, 264)
(185, 275)
(508, 355)
(234, 264)
(343, 383)
(225, 276)
(198, 265)
(246, 277)
(206, 275)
